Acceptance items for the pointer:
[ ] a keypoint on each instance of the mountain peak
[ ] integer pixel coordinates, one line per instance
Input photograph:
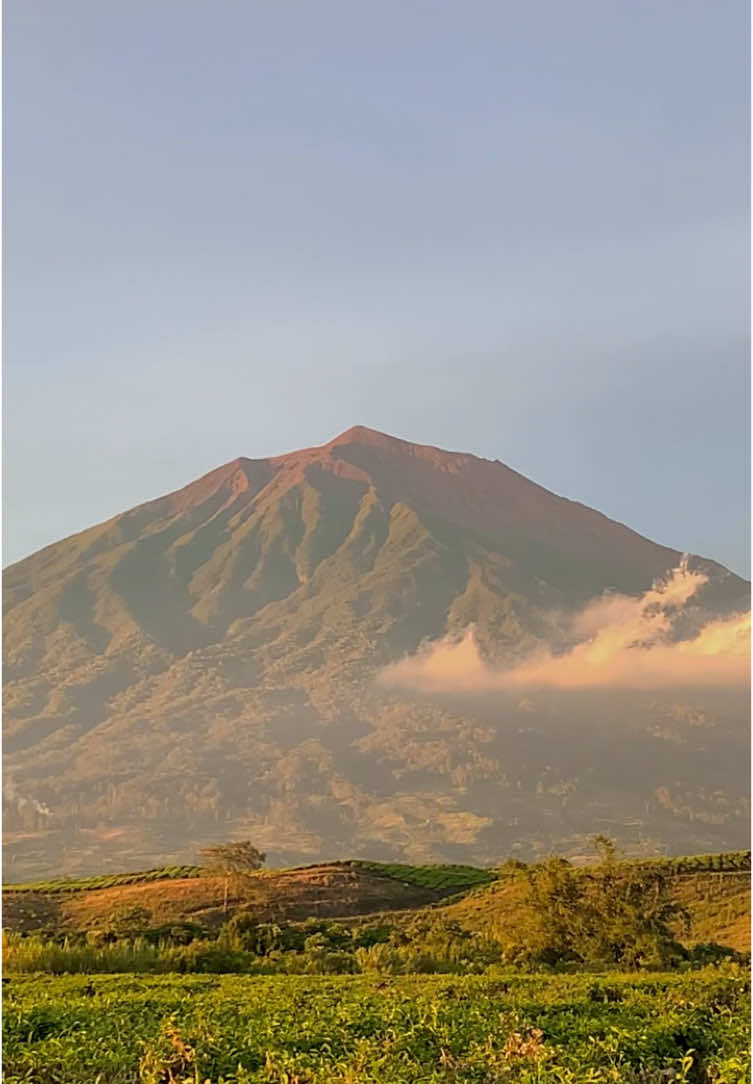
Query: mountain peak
(361, 434)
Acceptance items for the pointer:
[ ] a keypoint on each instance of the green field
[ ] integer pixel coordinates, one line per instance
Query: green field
(105, 880)
(568, 1029)
(437, 876)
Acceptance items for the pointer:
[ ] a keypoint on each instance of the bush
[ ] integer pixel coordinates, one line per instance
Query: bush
(612, 914)
(710, 953)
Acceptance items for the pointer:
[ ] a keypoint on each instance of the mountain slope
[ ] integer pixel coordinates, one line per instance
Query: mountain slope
(203, 665)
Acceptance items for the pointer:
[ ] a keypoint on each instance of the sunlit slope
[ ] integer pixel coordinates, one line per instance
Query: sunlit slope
(717, 902)
(335, 889)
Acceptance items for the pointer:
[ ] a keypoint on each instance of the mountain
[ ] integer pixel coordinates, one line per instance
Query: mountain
(205, 666)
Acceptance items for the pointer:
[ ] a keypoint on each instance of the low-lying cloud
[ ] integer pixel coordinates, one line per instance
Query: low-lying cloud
(616, 641)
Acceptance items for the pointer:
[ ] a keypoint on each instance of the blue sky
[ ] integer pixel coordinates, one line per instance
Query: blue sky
(517, 229)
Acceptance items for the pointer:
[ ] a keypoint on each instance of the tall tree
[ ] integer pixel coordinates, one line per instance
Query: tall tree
(234, 859)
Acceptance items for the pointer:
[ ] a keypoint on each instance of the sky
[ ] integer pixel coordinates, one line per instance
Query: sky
(515, 229)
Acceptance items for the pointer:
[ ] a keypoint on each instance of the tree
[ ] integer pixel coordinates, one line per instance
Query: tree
(231, 860)
(614, 913)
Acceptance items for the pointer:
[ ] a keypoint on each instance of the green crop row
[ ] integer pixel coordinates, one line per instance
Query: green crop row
(410, 1029)
(727, 862)
(435, 877)
(439, 877)
(112, 880)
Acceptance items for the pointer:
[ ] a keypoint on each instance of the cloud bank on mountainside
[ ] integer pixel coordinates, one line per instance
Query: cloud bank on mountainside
(616, 641)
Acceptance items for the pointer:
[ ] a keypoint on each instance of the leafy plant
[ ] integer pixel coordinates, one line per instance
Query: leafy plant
(379, 1028)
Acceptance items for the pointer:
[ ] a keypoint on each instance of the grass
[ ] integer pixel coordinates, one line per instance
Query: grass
(35, 954)
(557, 1029)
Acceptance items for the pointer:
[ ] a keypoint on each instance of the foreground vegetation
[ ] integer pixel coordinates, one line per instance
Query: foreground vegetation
(388, 945)
(530, 975)
(614, 914)
(568, 1029)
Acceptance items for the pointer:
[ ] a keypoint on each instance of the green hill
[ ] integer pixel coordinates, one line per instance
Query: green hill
(331, 890)
(715, 889)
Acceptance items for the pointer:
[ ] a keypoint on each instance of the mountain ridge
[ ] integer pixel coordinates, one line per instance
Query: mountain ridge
(248, 475)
